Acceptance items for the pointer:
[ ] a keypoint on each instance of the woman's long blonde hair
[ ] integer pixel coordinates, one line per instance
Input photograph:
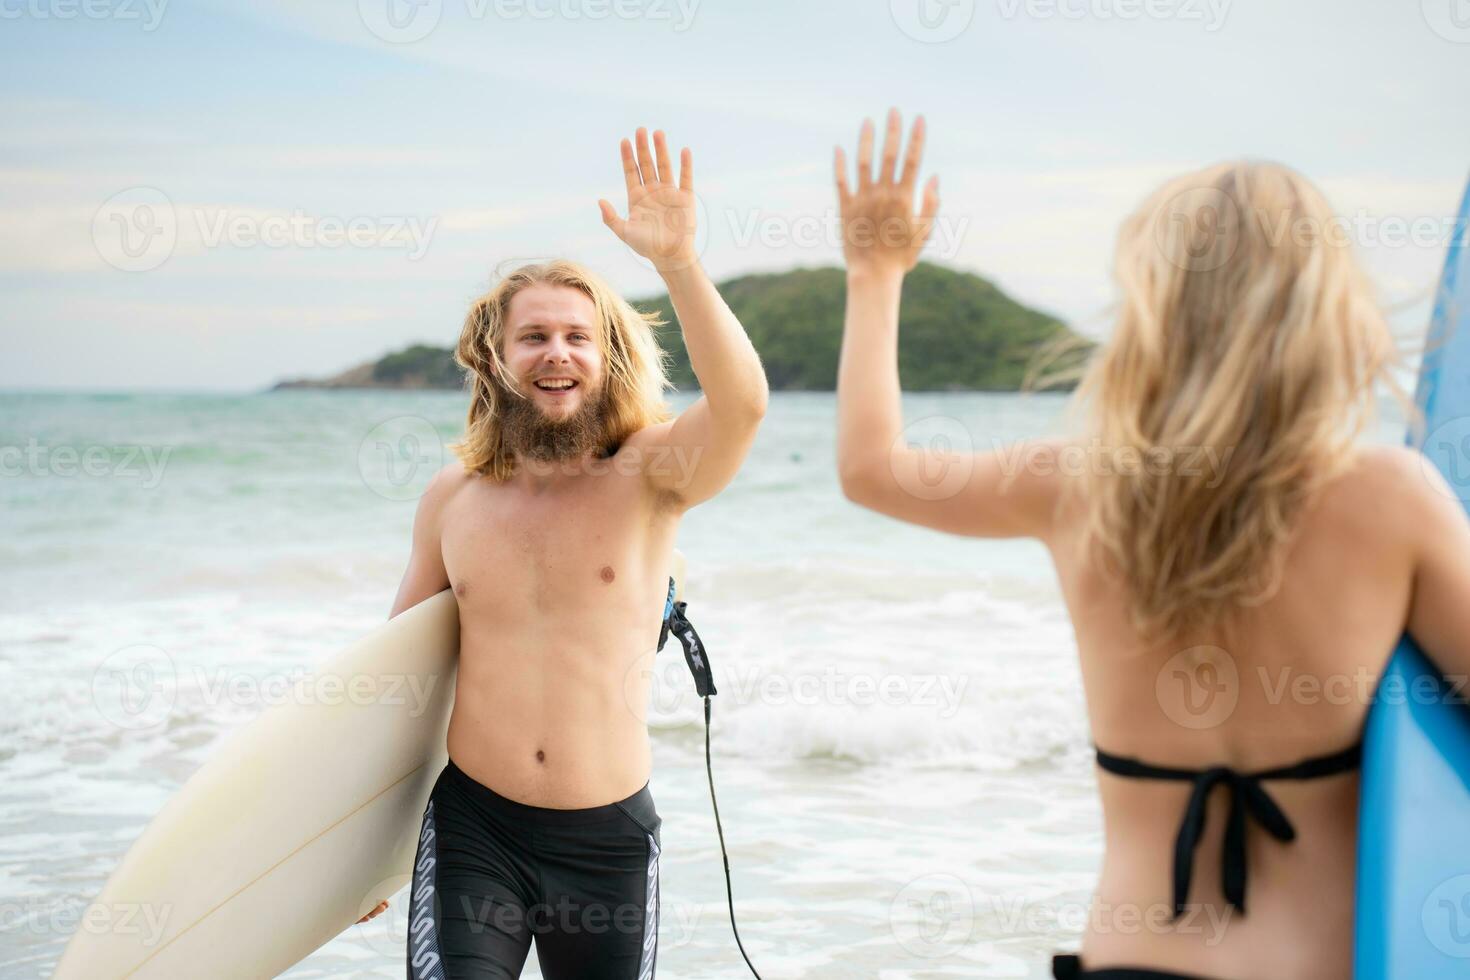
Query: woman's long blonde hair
(634, 368)
(1246, 326)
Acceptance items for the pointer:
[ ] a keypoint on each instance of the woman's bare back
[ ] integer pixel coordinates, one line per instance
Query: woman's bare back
(1292, 680)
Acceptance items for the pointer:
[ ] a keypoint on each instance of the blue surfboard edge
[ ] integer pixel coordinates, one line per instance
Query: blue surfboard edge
(1412, 911)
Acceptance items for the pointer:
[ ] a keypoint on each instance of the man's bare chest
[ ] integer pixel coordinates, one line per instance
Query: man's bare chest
(513, 552)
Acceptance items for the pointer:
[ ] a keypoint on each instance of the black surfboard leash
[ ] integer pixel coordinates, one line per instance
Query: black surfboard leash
(677, 624)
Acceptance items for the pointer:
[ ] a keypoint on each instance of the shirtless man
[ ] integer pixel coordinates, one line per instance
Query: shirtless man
(556, 531)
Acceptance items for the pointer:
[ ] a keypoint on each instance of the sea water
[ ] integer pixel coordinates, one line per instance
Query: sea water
(901, 748)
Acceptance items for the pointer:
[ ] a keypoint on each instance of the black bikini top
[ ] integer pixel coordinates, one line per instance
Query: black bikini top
(1247, 796)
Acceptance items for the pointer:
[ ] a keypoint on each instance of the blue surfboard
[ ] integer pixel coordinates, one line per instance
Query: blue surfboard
(1413, 888)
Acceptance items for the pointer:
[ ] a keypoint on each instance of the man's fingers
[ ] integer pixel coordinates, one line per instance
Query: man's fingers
(914, 155)
(645, 158)
(378, 909)
(891, 136)
(661, 152)
(610, 217)
(630, 168)
(865, 155)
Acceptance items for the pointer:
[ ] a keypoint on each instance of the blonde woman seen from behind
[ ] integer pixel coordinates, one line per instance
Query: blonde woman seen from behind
(1220, 534)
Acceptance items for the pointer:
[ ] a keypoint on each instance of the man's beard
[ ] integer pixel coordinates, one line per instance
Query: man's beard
(531, 434)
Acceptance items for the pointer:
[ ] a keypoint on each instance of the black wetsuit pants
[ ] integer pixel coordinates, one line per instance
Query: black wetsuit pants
(491, 875)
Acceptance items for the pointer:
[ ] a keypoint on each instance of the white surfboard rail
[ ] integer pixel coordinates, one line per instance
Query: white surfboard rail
(233, 866)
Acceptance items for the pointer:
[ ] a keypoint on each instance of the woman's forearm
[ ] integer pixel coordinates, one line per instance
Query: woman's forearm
(881, 241)
(869, 410)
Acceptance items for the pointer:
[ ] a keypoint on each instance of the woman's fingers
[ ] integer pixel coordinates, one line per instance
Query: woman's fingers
(888, 163)
(893, 133)
(686, 169)
(928, 209)
(914, 155)
(882, 201)
(865, 155)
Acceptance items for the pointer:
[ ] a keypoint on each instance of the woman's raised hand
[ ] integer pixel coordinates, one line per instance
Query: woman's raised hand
(880, 232)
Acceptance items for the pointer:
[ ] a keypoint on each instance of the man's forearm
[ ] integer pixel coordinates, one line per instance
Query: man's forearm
(723, 359)
(869, 407)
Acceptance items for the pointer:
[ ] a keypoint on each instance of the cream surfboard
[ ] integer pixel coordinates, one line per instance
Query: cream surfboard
(296, 826)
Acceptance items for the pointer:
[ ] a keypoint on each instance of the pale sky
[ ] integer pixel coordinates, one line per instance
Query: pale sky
(219, 194)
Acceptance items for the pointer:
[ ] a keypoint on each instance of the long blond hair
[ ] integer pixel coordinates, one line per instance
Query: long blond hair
(635, 369)
(1246, 326)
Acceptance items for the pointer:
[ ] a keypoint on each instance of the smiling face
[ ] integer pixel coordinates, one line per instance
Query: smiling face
(551, 348)
(555, 363)
(540, 321)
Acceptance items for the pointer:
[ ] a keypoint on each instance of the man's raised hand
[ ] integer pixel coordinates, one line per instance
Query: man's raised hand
(660, 221)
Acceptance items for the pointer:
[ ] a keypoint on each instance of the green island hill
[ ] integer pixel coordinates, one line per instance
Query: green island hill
(957, 332)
